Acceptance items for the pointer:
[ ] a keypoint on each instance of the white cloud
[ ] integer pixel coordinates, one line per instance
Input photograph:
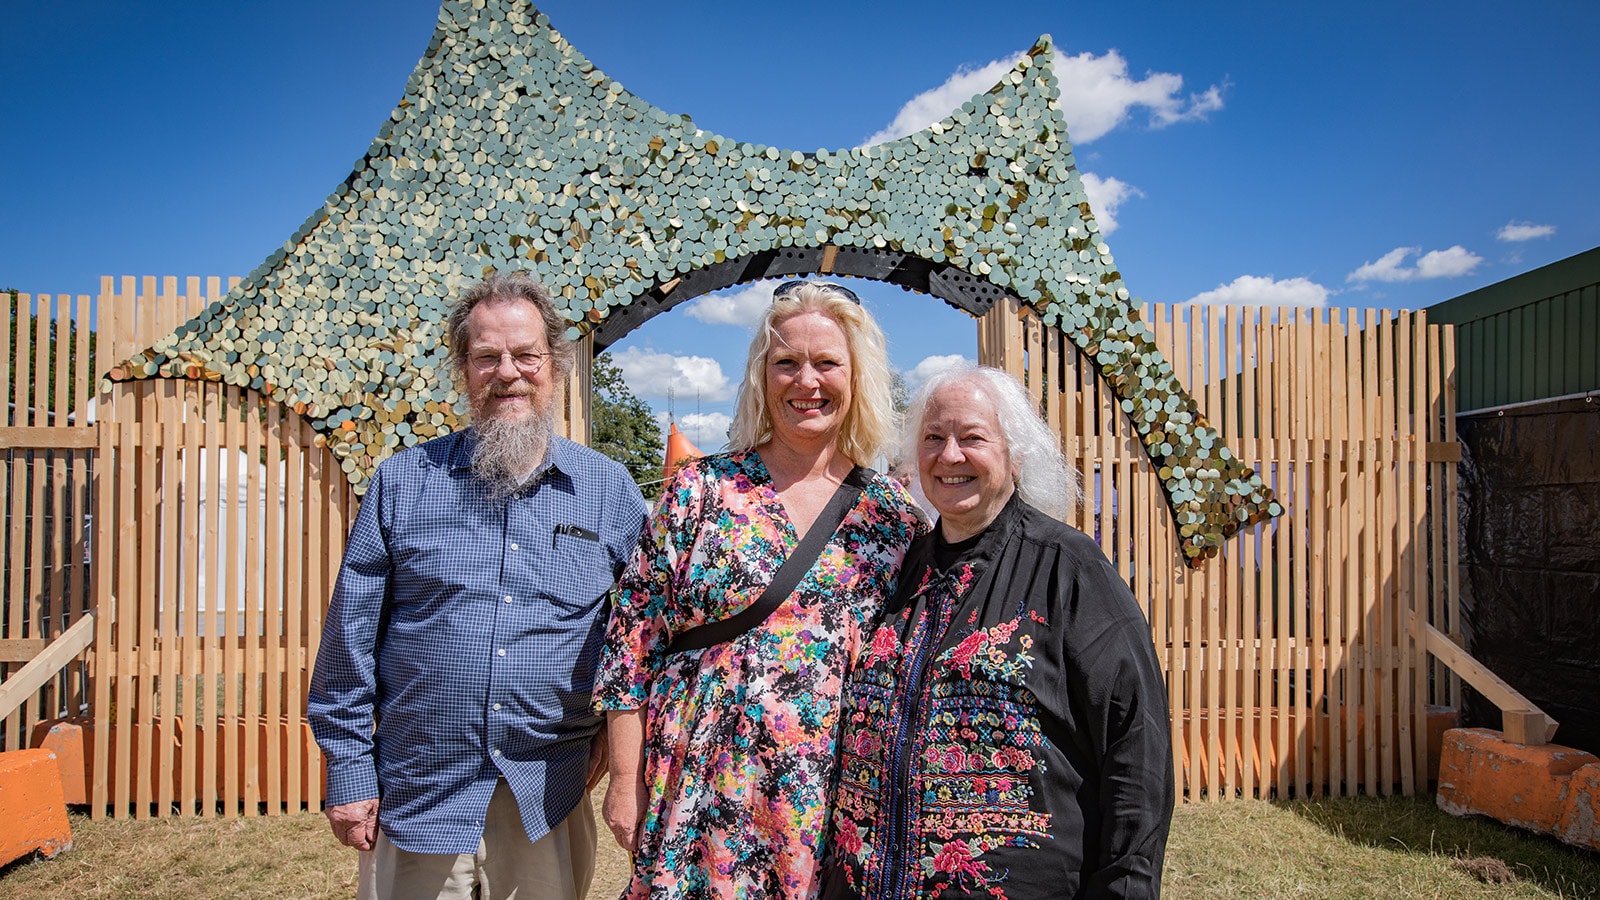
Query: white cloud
(1448, 263)
(742, 307)
(1264, 290)
(650, 374)
(1097, 95)
(1523, 231)
(930, 106)
(928, 367)
(1106, 196)
(707, 431)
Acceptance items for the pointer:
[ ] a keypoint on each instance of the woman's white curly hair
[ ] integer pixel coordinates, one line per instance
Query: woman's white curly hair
(1043, 477)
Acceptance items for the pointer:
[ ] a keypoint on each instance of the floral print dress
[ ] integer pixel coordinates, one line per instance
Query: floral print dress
(739, 745)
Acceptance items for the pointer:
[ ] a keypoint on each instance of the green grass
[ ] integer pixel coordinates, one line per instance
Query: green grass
(1354, 848)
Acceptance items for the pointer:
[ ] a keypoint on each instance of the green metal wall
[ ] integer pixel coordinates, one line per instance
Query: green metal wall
(1532, 337)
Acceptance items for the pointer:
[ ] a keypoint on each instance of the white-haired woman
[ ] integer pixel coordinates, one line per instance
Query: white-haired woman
(722, 747)
(1005, 729)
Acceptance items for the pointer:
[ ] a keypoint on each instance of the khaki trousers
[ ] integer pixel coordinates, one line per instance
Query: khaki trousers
(558, 866)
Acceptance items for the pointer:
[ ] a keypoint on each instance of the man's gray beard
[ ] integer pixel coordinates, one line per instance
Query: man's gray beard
(507, 450)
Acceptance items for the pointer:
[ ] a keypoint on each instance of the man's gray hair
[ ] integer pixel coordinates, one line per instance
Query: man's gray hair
(509, 287)
(1044, 479)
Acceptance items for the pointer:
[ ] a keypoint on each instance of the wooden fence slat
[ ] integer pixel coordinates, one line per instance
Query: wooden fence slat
(294, 525)
(164, 590)
(1405, 555)
(39, 415)
(103, 656)
(79, 577)
(1335, 483)
(8, 606)
(1452, 523)
(1285, 536)
(1168, 594)
(272, 613)
(1323, 674)
(147, 594)
(232, 733)
(1437, 513)
(1386, 556)
(322, 479)
(1219, 678)
(58, 533)
(1202, 757)
(17, 607)
(1252, 713)
(254, 572)
(1226, 346)
(192, 682)
(1417, 532)
(214, 682)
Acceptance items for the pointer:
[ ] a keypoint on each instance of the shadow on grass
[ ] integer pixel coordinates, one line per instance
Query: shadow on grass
(1416, 825)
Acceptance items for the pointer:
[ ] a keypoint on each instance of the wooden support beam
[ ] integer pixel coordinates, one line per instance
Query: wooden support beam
(21, 650)
(49, 437)
(21, 685)
(1528, 723)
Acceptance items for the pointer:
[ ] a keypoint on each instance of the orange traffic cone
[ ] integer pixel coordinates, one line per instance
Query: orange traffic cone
(679, 451)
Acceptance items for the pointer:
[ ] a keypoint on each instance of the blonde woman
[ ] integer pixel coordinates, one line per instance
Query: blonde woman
(723, 747)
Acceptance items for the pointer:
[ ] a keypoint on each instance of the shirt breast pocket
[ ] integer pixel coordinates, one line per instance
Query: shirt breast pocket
(580, 573)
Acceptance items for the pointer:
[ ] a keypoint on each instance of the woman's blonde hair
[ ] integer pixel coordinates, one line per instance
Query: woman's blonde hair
(870, 423)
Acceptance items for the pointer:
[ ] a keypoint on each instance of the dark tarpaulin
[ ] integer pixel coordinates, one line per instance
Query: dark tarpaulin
(1530, 529)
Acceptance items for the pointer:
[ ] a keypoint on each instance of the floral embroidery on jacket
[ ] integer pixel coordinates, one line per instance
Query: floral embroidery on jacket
(962, 727)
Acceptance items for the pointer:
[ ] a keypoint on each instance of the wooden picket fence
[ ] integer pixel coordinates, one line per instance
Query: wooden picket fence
(221, 525)
(49, 450)
(1296, 662)
(216, 520)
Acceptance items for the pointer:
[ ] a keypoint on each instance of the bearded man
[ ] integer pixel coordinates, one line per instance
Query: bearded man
(452, 689)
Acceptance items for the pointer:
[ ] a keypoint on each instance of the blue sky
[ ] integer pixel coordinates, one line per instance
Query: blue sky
(1358, 154)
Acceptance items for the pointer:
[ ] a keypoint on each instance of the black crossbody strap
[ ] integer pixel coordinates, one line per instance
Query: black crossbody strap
(788, 575)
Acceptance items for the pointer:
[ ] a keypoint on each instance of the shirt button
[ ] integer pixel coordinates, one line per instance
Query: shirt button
(513, 546)
(500, 652)
(497, 751)
(495, 707)
(508, 598)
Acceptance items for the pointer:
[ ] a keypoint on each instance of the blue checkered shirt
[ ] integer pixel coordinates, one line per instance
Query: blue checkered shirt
(462, 637)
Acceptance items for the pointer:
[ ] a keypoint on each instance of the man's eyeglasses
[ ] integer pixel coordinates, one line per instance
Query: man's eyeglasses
(527, 361)
(788, 286)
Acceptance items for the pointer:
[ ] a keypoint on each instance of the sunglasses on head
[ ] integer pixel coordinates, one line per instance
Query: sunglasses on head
(788, 286)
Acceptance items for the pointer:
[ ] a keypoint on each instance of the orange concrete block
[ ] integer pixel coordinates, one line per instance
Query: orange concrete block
(72, 741)
(1440, 720)
(1481, 773)
(33, 813)
(1580, 809)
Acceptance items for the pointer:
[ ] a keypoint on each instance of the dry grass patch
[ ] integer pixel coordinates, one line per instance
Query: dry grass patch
(1395, 847)
(1391, 848)
(283, 856)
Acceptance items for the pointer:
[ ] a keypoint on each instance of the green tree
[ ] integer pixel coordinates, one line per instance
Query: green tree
(623, 427)
(23, 318)
(899, 394)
